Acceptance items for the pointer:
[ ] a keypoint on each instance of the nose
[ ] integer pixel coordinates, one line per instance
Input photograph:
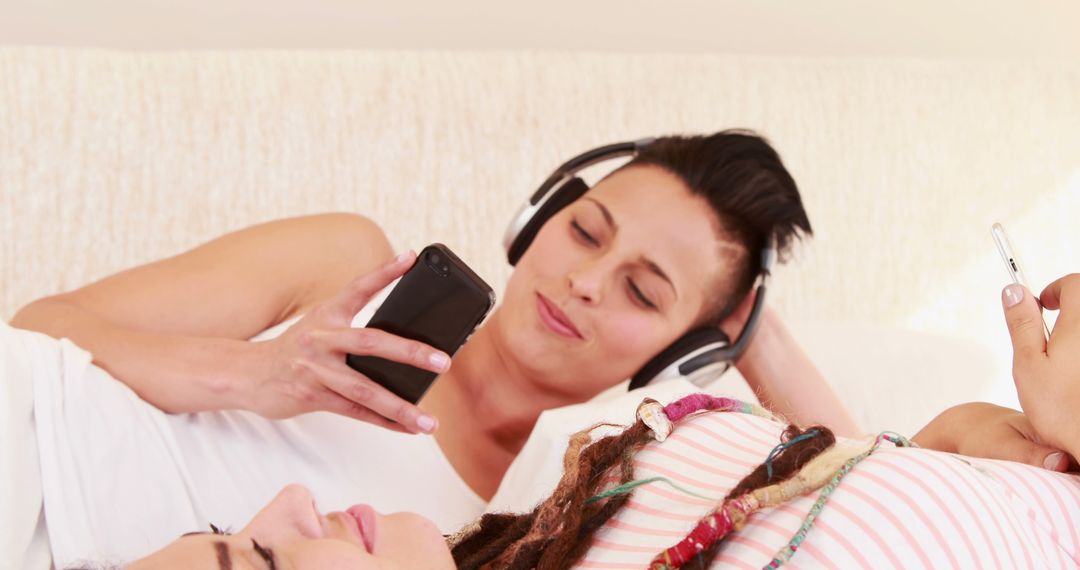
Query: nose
(291, 514)
(588, 278)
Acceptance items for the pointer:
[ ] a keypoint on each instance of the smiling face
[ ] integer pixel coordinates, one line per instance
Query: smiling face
(613, 279)
(291, 534)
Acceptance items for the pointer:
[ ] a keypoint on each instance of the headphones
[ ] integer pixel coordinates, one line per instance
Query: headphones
(699, 355)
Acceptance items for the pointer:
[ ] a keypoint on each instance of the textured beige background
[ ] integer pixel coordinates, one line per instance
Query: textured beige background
(109, 159)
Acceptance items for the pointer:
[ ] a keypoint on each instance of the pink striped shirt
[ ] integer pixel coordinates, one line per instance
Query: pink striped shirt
(901, 508)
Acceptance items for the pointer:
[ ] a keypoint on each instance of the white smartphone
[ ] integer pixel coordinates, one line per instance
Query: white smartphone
(1012, 264)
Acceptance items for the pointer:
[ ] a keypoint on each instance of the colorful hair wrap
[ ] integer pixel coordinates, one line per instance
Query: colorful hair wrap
(827, 469)
(695, 403)
(785, 553)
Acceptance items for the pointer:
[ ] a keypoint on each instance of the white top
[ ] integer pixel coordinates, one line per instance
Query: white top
(120, 478)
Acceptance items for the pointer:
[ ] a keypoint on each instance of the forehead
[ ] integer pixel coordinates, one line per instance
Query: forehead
(656, 211)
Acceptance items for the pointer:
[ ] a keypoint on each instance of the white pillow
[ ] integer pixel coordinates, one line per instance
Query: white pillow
(894, 379)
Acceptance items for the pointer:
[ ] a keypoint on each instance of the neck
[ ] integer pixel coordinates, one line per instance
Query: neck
(487, 405)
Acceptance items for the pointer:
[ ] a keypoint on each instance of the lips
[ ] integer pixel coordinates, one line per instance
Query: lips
(555, 319)
(364, 516)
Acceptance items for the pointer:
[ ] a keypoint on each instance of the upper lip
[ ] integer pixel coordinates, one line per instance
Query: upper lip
(559, 315)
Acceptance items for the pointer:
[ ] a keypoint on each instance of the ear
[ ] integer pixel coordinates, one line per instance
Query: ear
(734, 323)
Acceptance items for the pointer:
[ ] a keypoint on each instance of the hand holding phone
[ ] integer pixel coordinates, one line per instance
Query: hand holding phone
(1047, 373)
(303, 370)
(438, 302)
(1012, 263)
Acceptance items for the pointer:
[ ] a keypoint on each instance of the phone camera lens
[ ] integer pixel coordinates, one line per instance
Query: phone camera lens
(437, 264)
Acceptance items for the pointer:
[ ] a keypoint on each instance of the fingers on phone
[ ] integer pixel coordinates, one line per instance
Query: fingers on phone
(1064, 290)
(364, 393)
(375, 342)
(360, 290)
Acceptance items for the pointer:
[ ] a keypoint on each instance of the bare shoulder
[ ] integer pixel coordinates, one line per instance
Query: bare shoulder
(324, 252)
(335, 234)
(333, 248)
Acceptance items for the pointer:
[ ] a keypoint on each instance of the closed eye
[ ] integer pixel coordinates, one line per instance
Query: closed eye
(580, 231)
(636, 293)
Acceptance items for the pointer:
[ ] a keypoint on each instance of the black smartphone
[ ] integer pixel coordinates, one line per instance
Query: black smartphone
(439, 301)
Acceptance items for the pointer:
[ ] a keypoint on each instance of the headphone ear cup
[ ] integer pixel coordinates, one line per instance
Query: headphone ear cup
(561, 197)
(688, 347)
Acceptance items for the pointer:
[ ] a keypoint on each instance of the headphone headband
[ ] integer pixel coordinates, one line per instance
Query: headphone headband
(558, 191)
(586, 159)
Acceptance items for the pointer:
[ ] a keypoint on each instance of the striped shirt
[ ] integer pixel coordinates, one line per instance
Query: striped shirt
(900, 508)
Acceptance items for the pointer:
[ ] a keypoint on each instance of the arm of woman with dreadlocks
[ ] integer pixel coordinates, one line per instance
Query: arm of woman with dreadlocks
(1047, 376)
(1047, 371)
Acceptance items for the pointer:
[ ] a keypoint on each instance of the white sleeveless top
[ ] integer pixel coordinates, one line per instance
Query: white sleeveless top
(239, 460)
(121, 479)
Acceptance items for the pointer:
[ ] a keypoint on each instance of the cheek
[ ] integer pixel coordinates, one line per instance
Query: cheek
(552, 252)
(547, 261)
(407, 540)
(632, 336)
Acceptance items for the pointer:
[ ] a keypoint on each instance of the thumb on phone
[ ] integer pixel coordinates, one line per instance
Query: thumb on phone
(1024, 318)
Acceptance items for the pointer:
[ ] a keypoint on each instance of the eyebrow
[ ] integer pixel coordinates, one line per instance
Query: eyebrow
(223, 559)
(603, 210)
(650, 264)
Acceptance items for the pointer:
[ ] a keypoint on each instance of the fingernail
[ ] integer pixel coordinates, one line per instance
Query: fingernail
(402, 256)
(1053, 461)
(1012, 295)
(427, 423)
(439, 360)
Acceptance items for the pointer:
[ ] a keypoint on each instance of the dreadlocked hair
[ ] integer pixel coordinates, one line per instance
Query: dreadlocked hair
(559, 530)
(561, 526)
(787, 463)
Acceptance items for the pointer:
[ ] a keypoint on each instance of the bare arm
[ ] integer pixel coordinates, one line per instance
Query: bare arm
(1047, 372)
(175, 330)
(978, 429)
(787, 382)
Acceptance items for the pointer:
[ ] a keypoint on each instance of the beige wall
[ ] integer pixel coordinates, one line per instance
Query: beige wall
(1033, 29)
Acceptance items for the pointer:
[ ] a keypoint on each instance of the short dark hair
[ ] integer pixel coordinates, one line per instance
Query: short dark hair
(751, 192)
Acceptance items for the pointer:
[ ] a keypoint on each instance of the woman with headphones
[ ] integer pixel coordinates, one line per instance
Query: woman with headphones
(645, 276)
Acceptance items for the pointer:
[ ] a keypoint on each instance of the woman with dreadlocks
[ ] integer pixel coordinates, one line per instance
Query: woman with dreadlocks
(812, 501)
